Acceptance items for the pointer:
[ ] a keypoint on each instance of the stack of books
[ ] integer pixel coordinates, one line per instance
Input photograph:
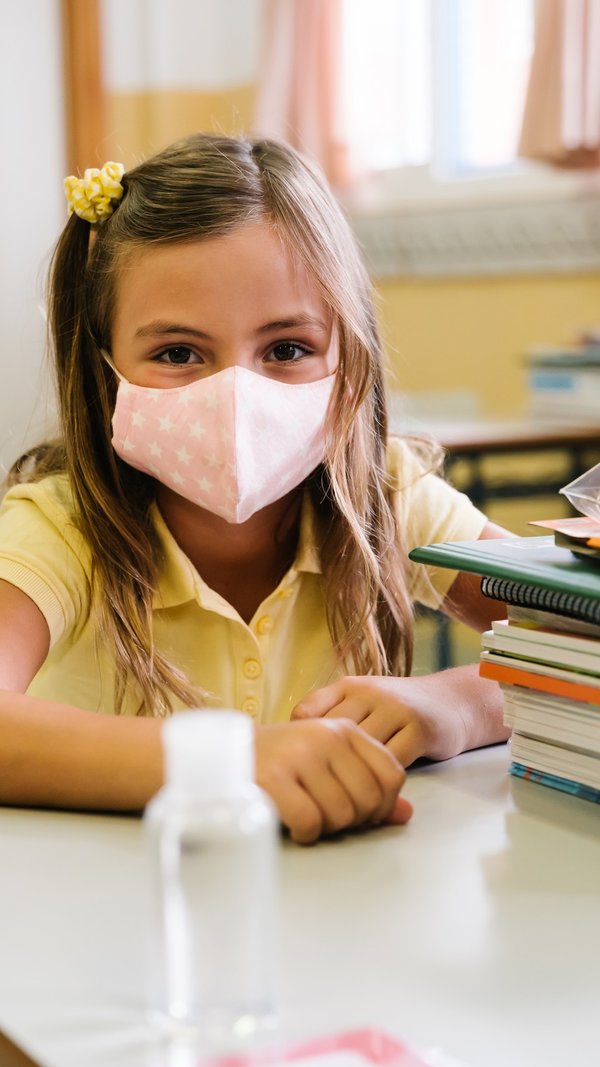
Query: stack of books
(545, 656)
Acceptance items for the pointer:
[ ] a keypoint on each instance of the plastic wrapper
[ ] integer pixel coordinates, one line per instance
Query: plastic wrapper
(583, 493)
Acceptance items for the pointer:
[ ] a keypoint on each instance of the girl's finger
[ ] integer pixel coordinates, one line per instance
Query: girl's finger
(350, 707)
(380, 724)
(357, 778)
(316, 704)
(407, 744)
(401, 812)
(387, 770)
(337, 802)
(299, 812)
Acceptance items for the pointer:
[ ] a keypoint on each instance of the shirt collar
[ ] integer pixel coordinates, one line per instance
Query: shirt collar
(178, 578)
(307, 553)
(179, 581)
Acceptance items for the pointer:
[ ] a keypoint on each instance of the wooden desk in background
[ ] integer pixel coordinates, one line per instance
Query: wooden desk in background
(470, 445)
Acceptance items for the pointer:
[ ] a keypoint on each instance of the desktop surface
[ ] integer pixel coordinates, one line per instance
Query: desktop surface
(475, 929)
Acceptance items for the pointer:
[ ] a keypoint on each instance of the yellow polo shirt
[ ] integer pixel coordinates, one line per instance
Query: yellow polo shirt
(263, 668)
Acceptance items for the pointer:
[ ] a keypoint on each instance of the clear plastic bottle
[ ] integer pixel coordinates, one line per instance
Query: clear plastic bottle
(213, 840)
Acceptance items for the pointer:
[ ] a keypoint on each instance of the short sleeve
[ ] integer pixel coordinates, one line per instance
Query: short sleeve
(429, 510)
(43, 554)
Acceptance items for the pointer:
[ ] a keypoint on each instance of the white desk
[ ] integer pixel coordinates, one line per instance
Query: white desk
(475, 929)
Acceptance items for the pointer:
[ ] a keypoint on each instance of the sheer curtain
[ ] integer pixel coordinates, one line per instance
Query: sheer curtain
(561, 122)
(298, 96)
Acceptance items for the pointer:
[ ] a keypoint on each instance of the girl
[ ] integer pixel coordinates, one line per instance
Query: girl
(224, 521)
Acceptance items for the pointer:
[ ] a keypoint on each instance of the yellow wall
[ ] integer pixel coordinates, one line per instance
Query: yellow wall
(140, 123)
(470, 333)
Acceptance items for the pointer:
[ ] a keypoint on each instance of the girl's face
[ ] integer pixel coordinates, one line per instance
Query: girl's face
(185, 311)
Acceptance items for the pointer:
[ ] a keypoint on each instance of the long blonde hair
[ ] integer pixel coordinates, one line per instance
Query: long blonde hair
(204, 186)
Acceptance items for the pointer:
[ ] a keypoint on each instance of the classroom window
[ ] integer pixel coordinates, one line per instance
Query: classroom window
(437, 94)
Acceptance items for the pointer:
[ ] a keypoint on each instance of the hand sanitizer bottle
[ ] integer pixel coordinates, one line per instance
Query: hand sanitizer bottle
(213, 837)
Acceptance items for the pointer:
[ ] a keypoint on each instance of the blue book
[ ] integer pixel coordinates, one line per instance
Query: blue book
(565, 785)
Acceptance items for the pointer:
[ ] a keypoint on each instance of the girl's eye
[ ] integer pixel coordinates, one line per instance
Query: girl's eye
(288, 352)
(177, 355)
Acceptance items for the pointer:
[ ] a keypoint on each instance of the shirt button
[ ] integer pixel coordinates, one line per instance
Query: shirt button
(250, 706)
(265, 624)
(252, 668)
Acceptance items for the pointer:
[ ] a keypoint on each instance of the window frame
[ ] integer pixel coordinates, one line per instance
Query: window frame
(524, 218)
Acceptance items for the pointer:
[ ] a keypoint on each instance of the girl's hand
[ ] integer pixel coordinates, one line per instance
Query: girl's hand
(327, 775)
(437, 715)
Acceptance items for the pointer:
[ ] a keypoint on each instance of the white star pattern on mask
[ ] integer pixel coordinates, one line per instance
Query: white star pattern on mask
(238, 442)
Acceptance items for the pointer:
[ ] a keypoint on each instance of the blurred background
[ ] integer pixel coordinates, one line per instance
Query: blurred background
(462, 138)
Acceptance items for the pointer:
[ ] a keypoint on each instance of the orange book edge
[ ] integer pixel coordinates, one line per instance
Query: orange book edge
(558, 686)
(579, 529)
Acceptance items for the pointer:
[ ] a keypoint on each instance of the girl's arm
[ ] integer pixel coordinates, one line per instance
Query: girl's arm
(323, 776)
(465, 602)
(436, 715)
(57, 755)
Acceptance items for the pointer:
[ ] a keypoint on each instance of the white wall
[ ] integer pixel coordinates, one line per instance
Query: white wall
(32, 210)
(180, 44)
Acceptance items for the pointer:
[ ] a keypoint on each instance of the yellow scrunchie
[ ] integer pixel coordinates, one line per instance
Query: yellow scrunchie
(94, 196)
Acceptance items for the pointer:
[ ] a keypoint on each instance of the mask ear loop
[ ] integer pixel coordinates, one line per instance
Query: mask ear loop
(108, 359)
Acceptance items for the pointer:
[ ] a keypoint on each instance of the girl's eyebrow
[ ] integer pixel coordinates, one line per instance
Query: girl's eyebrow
(294, 323)
(161, 328)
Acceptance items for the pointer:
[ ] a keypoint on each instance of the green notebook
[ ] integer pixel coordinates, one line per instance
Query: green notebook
(534, 561)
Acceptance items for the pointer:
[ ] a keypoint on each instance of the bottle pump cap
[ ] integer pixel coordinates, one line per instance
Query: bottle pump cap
(208, 754)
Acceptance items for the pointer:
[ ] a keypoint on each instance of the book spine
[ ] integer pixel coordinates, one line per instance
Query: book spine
(544, 683)
(572, 605)
(566, 785)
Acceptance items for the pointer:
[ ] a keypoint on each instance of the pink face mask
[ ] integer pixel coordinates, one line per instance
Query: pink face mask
(231, 443)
